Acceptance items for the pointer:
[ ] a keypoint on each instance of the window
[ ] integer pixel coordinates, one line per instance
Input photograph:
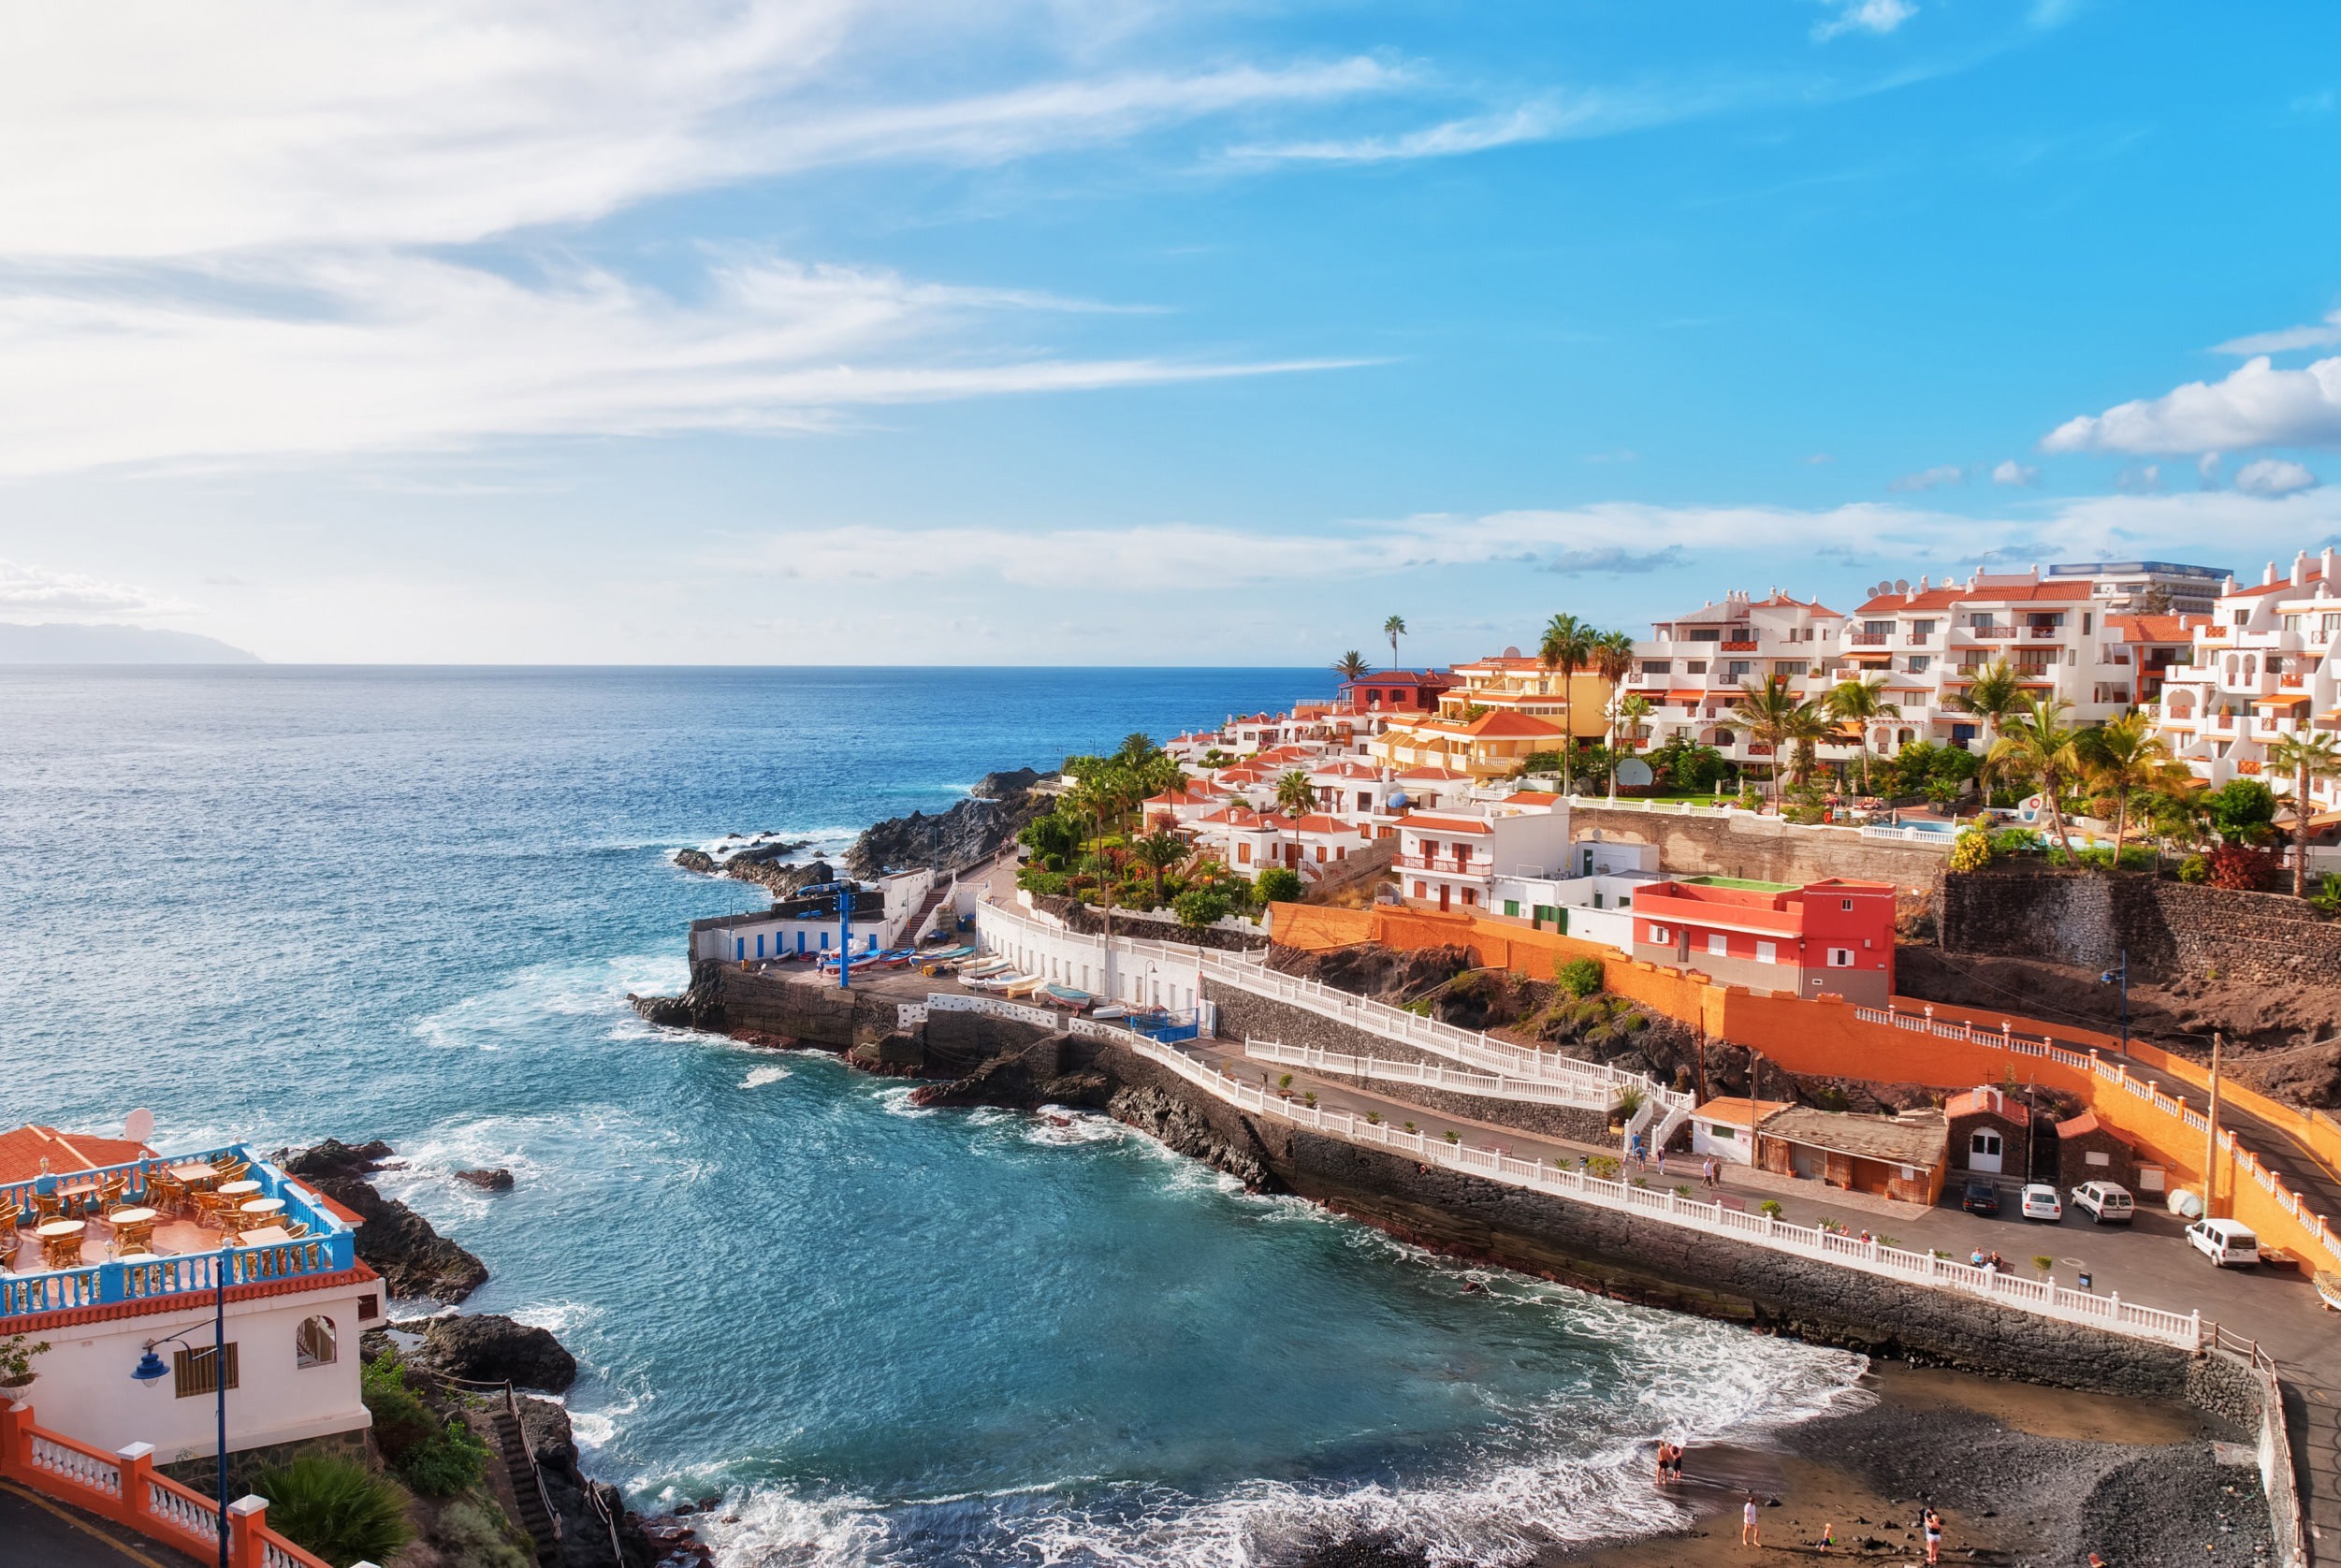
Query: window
(1660, 934)
(1244, 854)
(1658, 666)
(1846, 904)
(1919, 662)
(1717, 1129)
(1717, 945)
(313, 1344)
(197, 1372)
(1695, 667)
(1512, 908)
(2097, 1157)
(1738, 668)
(1983, 1143)
(1706, 635)
(1767, 952)
(368, 1306)
(1922, 629)
(1795, 668)
(1469, 896)
(1840, 958)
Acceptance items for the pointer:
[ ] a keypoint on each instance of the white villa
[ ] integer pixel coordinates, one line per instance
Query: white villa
(2261, 668)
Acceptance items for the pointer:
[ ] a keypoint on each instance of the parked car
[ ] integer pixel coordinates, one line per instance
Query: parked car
(2105, 1202)
(1980, 1198)
(2041, 1202)
(2225, 1243)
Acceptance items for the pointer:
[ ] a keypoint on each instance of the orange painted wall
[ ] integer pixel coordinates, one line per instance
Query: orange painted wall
(1824, 1037)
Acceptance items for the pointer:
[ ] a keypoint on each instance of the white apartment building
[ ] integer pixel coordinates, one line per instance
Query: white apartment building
(2262, 670)
(1452, 859)
(1695, 668)
(2123, 586)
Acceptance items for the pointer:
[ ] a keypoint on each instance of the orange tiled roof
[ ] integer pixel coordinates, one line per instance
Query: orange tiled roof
(1946, 598)
(1447, 824)
(2156, 628)
(22, 1150)
(1531, 797)
(2282, 585)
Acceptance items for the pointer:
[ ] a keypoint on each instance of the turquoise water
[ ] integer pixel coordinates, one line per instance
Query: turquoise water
(288, 904)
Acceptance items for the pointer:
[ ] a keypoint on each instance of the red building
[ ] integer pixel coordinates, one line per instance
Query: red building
(1831, 938)
(1396, 691)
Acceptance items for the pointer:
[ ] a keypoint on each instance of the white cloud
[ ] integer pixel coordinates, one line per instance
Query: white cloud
(2272, 476)
(1877, 17)
(2207, 468)
(2010, 472)
(1183, 555)
(1931, 478)
(2139, 479)
(2324, 334)
(156, 129)
(2256, 405)
(1545, 121)
(35, 591)
(393, 351)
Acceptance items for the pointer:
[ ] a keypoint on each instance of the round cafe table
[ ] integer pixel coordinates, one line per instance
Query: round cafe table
(61, 1243)
(262, 1211)
(134, 1228)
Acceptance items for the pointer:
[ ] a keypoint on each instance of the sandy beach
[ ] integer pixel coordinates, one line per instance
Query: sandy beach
(2022, 1474)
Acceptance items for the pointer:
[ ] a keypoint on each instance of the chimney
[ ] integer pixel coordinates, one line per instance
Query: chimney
(2300, 568)
(1922, 582)
(2324, 564)
(2267, 577)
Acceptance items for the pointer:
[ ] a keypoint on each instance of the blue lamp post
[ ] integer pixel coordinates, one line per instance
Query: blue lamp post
(152, 1371)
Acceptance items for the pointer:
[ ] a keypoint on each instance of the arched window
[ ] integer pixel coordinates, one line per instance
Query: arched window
(1903, 737)
(313, 1342)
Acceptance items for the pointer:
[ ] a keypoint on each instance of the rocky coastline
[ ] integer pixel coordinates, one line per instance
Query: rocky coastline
(416, 1263)
(969, 833)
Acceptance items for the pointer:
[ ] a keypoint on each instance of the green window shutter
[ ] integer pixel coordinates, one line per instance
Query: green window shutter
(1512, 908)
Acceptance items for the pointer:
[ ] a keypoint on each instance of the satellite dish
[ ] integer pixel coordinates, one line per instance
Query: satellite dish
(1901, 584)
(138, 1125)
(1633, 773)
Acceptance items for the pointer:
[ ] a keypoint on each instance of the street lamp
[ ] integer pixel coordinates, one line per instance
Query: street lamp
(2121, 975)
(150, 1371)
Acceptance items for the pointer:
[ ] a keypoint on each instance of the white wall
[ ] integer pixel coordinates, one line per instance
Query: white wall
(84, 1390)
(1148, 974)
(1738, 1149)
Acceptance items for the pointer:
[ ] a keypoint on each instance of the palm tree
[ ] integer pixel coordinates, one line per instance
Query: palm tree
(1295, 793)
(1351, 666)
(1568, 647)
(1158, 852)
(1626, 712)
(1996, 692)
(1394, 629)
(1135, 748)
(2126, 756)
(1805, 728)
(2304, 757)
(1859, 703)
(2037, 740)
(1768, 712)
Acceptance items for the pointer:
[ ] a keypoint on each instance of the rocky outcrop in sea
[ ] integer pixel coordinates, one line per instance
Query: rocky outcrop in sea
(414, 1259)
(970, 834)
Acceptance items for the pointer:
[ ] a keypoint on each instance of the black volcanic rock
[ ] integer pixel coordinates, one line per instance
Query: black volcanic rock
(334, 1157)
(398, 1243)
(1006, 786)
(971, 832)
(498, 1180)
(487, 1347)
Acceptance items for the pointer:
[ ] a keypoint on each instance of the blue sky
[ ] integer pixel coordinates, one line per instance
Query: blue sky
(881, 332)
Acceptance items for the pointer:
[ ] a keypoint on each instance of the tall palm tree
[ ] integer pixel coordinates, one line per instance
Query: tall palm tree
(1805, 728)
(1352, 667)
(1568, 647)
(1768, 713)
(2126, 756)
(1394, 629)
(1158, 852)
(2037, 740)
(1296, 795)
(1861, 703)
(1626, 713)
(1996, 692)
(2304, 757)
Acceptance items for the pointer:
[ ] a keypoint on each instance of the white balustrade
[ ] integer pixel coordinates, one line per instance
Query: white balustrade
(94, 1472)
(1431, 1074)
(196, 1516)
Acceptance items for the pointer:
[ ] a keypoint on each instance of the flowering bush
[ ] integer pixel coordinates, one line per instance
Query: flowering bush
(2233, 866)
(1972, 850)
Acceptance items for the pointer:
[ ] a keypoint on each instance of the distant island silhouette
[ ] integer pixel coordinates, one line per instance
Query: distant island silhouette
(68, 643)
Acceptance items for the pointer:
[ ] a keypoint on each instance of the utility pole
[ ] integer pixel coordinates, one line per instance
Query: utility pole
(2211, 1132)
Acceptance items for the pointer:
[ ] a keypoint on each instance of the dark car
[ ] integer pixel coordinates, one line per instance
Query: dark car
(1980, 1198)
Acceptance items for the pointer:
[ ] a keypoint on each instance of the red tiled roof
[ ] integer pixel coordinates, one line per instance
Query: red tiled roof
(2156, 628)
(1432, 769)
(23, 1150)
(1446, 824)
(1976, 1102)
(1944, 597)
(1503, 725)
(2083, 1125)
(2282, 585)
(1532, 797)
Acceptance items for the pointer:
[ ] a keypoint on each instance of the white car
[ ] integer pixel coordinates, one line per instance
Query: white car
(2041, 1202)
(2105, 1202)
(2224, 1243)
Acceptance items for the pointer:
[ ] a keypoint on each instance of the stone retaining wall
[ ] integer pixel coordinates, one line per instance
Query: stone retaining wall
(1763, 848)
(2169, 929)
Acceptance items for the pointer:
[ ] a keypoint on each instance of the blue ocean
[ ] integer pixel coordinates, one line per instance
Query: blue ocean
(282, 904)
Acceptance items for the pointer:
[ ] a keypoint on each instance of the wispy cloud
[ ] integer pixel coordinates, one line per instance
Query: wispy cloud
(391, 352)
(2274, 476)
(1931, 478)
(1609, 560)
(1545, 120)
(33, 590)
(2012, 473)
(2256, 405)
(1875, 17)
(2322, 334)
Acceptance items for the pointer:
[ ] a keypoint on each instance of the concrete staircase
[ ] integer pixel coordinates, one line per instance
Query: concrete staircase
(535, 1515)
(935, 895)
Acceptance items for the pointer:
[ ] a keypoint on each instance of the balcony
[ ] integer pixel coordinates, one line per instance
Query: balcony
(1988, 634)
(2043, 631)
(1441, 864)
(1739, 646)
(1917, 639)
(2291, 682)
(1863, 640)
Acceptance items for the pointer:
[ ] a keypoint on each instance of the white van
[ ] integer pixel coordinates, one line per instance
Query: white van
(2105, 1202)
(2224, 1243)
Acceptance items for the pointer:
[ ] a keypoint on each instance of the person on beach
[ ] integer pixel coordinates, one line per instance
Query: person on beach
(1665, 1451)
(1749, 1535)
(1675, 1465)
(1933, 1523)
(1829, 1537)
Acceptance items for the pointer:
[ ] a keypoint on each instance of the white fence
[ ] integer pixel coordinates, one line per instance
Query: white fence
(2043, 1297)
(1431, 1075)
(1442, 1040)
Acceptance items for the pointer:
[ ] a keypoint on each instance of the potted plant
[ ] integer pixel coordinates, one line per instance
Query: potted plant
(1283, 1086)
(1769, 1208)
(16, 1362)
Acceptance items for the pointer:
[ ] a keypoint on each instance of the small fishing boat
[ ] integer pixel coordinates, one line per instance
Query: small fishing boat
(1007, 983)
(987, 969)
(1025, 985)
(1111, 1009)
(1067, 998)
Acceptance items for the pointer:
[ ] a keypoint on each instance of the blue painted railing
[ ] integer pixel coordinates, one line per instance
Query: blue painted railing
(329, 1247)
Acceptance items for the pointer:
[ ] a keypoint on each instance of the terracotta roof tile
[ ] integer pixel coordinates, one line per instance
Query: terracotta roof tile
(23, 1150)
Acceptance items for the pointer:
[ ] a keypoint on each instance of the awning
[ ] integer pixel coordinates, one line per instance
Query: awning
(1865, 656)
(1692, 695)
(2322, 819)
(2283, 699)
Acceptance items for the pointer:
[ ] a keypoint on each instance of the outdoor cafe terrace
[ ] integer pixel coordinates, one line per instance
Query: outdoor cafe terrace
(161, 1227)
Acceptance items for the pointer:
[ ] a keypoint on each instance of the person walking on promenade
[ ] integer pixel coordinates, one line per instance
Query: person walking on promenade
(1933, 1523)
(1750, 1536)
(1661, 1162)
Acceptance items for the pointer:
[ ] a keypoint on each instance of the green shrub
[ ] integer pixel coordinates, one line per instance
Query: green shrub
(1579, 976)
(2244, 811)
(401, 1420)
(1278, 885)
(1373, 1118)
(1198, 907)
(1284, 1080)
(1769, 1208)
(1310, 1099)
(1971, 849)
(2195, 868)
(478, 1536)
(336, 1508)
(452, 1460)
(1454, 1137)
(2328, 895)
(1607, 1167)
